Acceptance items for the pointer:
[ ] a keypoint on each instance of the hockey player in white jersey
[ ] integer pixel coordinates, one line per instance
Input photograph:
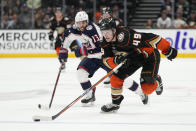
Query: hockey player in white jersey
(89, 35)
(83, 39)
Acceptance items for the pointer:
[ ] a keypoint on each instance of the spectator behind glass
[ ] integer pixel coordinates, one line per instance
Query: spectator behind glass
(25, 17)
(71, 13)
(163, 22)
(5, 21)
(39, 15)
(166, 3)
(149, 24)
(168, 11)
(17, 7)
(179, 22)
(46, 21)
(13, 23)
(184, 7)
(116, 12)
(192, 20)
(49, 11)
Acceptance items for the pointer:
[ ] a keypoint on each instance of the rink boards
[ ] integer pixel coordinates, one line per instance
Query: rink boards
(35, 43)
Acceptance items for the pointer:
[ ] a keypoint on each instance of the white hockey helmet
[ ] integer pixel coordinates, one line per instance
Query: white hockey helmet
(81, 16)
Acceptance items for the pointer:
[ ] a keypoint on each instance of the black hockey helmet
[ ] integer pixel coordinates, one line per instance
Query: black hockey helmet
(106, 10)
(59, 9)
(107, 23)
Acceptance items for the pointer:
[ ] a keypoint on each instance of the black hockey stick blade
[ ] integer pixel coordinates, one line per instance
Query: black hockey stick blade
(42, 118)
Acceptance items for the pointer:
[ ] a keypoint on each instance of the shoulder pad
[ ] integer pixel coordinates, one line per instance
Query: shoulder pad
(74, 26)
(123, 36)
(52, 18)
(89, 27)
(66, 18)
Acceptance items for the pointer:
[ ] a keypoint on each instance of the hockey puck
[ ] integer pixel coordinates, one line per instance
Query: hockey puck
(36, 120)
(39, 106)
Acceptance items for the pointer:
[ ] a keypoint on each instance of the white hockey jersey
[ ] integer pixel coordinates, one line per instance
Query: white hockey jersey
(90, 37)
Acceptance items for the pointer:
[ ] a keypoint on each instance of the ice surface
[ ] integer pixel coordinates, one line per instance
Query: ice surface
(25, 83)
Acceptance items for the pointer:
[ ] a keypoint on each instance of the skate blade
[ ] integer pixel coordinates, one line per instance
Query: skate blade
(88, 104)
(110, 112)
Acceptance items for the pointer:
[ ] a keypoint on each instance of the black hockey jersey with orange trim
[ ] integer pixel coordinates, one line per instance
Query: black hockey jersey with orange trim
(130, 41)
(54, 24)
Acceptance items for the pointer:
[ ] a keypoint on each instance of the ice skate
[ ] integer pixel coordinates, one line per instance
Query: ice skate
(159, 89)
(144, 98)
(110, 107)
(89, 99)
(63, 66)
(114, 106)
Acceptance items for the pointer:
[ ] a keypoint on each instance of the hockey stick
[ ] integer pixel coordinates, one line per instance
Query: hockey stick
(44, 107)
(45, 118)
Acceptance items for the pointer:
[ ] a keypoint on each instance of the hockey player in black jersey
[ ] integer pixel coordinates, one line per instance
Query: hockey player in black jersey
(106, 12)
(88, 34)
(58, 23)
(138, 50)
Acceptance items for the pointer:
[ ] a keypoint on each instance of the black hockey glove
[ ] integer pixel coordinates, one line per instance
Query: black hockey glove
(119, 58)
(171, 54)
(50, 36)
(74, 45)
(63, 55)
(58, 43)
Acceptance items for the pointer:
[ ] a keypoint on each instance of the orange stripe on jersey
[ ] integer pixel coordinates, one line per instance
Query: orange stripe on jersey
(153, 41)
(147, 50)
(57, 50)
(163, 45)
(110, 62)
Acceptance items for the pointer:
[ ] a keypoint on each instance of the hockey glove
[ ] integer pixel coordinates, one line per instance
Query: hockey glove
(81, 51)
(58, 43)
(63, 55)
(50, 36)
(74, 45)
(171, 54)
(119, 58)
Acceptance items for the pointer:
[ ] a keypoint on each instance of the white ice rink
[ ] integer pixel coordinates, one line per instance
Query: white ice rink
(27, 82)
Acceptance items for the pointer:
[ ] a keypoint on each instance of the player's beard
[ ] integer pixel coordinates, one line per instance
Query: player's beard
(82, 29)
(108, 39)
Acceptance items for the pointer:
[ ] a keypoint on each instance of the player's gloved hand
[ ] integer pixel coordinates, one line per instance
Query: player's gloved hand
(81, 51)
(63, 55)
(171, 54)
(58, 43)
(73, 45)
(51, 44)
(119, 58)
(50, 36)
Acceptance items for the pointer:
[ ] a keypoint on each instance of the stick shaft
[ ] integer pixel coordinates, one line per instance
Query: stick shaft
(92, 87)
(54, 90)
